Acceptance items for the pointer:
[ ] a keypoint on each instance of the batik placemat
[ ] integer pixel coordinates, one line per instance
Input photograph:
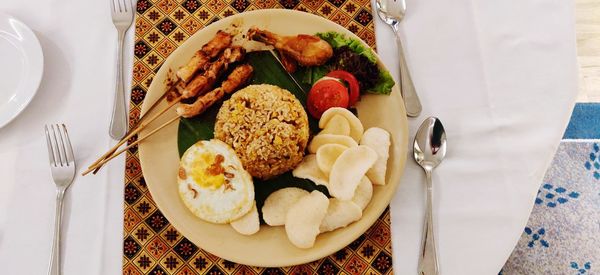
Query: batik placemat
(151, 245)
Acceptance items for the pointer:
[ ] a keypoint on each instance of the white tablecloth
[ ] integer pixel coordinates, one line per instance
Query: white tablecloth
(502, 76)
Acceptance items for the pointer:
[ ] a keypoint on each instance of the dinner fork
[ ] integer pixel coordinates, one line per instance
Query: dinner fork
(62, 165)
(122, 17)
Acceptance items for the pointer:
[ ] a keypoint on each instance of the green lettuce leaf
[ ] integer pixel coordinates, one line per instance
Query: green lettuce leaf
(337, 40)
(384, 84)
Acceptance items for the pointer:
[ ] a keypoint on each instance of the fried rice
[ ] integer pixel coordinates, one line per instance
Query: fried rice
(267, 127)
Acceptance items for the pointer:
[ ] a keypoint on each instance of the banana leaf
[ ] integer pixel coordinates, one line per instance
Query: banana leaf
(267, 70)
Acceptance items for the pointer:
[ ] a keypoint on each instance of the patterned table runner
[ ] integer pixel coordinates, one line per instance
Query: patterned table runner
(151, 245)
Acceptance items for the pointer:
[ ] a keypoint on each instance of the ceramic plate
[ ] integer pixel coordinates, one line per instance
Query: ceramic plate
(270, 246)
(21, 67)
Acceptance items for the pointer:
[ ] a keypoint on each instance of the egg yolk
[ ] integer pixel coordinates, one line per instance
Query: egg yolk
(207, 171)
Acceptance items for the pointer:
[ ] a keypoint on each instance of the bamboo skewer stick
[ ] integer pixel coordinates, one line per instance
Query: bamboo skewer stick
(102, 162)
(136, 130)
(163, 96)
(154, 105)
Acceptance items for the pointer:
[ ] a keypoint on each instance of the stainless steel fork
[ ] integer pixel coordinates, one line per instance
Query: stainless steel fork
(122, 17)
(62, 165)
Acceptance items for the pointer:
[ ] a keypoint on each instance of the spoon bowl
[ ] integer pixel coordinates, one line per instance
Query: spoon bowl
(430, 143)
(390, 14)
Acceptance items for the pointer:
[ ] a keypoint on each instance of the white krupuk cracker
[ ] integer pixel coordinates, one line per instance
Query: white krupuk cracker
(304, 218)
(337, 125)
(340, 214)
(356, 127)
(322, 139)
(348, 170)
(308, 169)
(327, 155)
(379, 140)
(247, 224)
(279, 202)
(363, 193)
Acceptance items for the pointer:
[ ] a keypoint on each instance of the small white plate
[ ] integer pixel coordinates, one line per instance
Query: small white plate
(21, 67)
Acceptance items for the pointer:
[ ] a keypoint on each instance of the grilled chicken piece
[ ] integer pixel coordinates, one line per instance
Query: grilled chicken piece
(172, 95)
(237, 78)
(288, 62)
(210, 50)
(221, 41)
(308, 50)
(204, 82)
(198, 61)
(175, 91)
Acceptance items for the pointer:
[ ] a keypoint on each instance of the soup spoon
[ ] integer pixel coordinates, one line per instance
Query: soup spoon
(429, 149)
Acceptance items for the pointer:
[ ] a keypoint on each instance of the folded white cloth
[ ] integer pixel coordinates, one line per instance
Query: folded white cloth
(502, 77)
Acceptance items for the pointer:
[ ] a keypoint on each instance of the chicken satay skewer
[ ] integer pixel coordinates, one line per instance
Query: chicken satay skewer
(221, 41)
(202, 83)
(199, 85)
(207, 79)
(201, 58)
(238, 77)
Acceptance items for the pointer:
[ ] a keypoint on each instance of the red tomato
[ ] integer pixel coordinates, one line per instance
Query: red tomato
(352, 84)
(325, 94)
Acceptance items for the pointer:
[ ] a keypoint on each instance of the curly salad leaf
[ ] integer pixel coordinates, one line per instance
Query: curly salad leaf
(353, 56)
(338, 40)
(385, 83)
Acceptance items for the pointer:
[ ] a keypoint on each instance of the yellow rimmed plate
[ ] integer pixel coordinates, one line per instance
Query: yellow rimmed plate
(270, 247)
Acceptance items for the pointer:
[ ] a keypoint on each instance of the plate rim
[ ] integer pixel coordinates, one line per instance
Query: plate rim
(35, 66)
(301, 259)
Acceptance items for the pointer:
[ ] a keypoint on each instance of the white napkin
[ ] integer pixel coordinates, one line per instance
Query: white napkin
(502, 77)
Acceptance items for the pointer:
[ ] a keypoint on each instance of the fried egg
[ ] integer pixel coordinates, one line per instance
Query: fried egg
(213, 184)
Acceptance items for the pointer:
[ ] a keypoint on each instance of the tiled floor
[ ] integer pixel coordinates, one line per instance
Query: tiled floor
(588, 49)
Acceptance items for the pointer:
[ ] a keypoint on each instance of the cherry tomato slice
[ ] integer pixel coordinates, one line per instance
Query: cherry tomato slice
(325, 94)
(352, 84)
